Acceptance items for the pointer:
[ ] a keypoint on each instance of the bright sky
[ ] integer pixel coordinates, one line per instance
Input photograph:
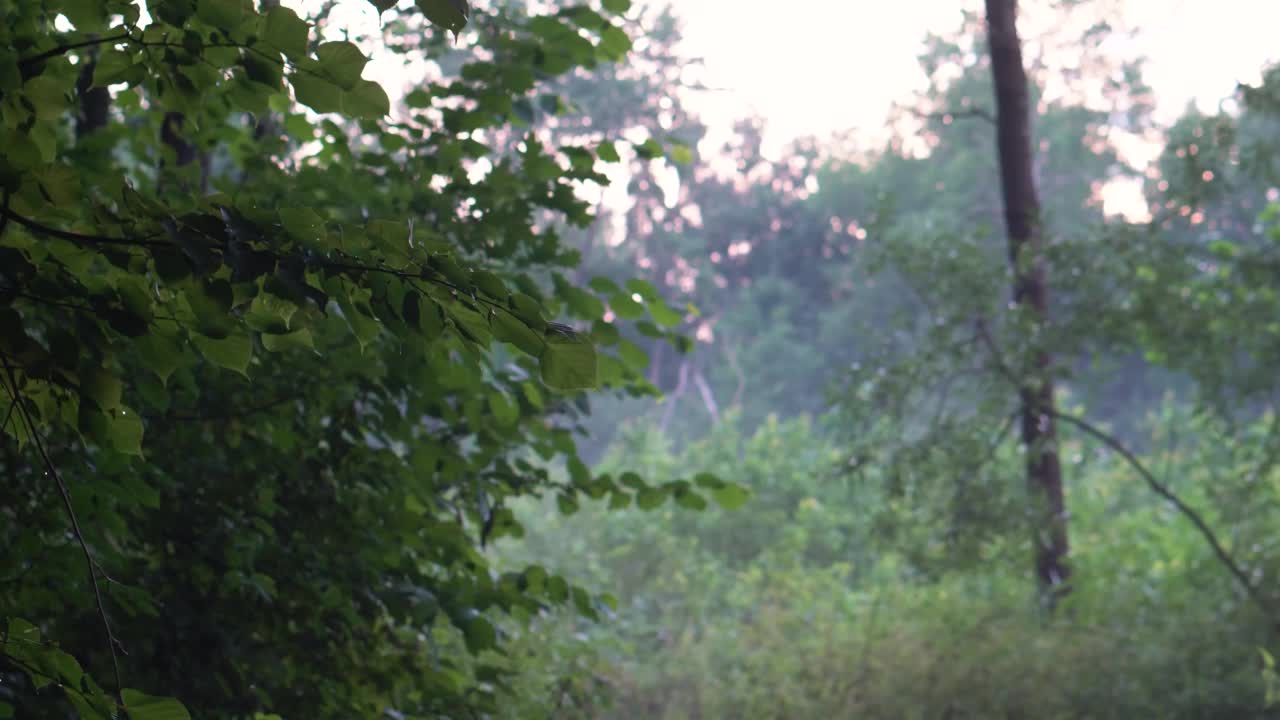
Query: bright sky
(817, 66)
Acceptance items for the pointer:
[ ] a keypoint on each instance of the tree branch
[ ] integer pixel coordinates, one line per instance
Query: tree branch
(25, 64)
(6, 215)
(1186, 510)
(1238, 573)
(90, 563)
(974, 112)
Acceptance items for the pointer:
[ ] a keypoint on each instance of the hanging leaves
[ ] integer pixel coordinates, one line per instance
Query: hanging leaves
(223, 308)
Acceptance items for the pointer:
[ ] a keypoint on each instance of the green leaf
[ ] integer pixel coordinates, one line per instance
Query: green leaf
(297, 339)
(730, 496)
(161, 355)
(626, 307)
(286, 32)
(643, 288)
(504, 410)
(391, 239)
(366, 101)
(103, 387)
(448, 14)
(615, 42)
(528, 310)
(489, 284)
(689, 499)
(141, 706)
(708, 481)
(480, 634)
(87, 15)
(341, 62)
(567, 504)
(649, 149)
(46, 96)
(604, 285)
(664, 314)
(59, 183)
(607, 152)
(418, 99)
(233, 352)
(568, 362)
(473, 325)
(270, 313)
(511, 329)
(223, 14)
(304, 224)
(422, 315)
(650, 498)
(317, 93)
(616, 6)
(113, 66)
(124, 431)
(634, 357)
(210, 302)
(443, 264)
(361, 322)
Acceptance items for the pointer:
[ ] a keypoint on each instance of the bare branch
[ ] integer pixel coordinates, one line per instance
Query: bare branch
(1186, 510)
(964, 113)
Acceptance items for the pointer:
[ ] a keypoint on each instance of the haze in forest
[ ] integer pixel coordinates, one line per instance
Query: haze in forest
(496, 359)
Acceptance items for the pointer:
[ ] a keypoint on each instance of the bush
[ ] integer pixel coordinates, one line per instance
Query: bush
(793, 607)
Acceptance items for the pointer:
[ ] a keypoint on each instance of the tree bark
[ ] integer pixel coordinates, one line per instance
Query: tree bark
(95, 102)
(1030, 292)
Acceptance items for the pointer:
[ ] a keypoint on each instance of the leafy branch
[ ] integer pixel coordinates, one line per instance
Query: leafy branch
(6, 214)
(26, 64)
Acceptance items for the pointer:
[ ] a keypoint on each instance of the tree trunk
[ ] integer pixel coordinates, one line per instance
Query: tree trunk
(1022, 223)
(95, 102)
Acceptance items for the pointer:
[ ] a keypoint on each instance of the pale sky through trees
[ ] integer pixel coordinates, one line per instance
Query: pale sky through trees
(818, 66)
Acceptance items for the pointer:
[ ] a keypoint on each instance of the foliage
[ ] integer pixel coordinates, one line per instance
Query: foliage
(798, 606)
(278, 356)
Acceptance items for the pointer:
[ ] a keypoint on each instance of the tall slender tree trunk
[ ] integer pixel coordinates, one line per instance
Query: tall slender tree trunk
(1030, 292)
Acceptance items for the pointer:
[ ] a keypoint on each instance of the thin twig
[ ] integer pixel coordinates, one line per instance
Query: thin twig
(230, 412)
(90, 563)
(974, 112)
(4, 211)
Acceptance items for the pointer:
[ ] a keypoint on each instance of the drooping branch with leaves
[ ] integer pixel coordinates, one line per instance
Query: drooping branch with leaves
(278, 399)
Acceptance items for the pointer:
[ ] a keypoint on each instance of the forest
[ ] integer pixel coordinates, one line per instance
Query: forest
(451, 364)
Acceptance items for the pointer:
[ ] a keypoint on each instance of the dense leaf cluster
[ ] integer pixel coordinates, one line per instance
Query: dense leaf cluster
(277, 356)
